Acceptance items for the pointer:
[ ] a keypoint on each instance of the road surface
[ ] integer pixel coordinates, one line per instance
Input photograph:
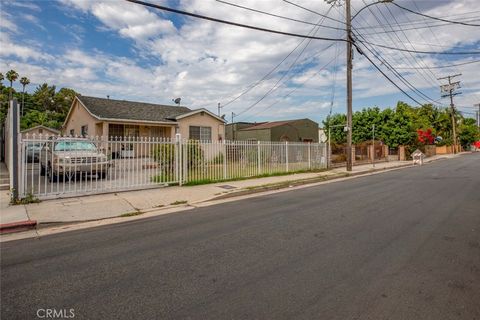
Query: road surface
(399, 245)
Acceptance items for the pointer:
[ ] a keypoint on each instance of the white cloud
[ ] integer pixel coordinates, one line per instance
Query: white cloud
(6, 22)
(11, 49)
(206, 63)
(25, 5)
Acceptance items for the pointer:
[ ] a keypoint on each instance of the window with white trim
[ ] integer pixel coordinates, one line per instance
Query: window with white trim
(200, 133)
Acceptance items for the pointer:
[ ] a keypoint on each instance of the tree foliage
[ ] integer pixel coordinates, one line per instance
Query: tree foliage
(399, 126)
(45, 106)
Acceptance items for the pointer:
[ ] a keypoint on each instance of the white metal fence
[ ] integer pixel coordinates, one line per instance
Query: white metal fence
(60, 166)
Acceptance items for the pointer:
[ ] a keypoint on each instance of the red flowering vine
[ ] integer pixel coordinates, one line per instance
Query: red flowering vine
(425, 136)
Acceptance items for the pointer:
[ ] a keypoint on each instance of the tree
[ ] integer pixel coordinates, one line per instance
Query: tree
(12, 76)
(363, 122)
(468, 132)
(24, 81)
(336, 123)
(44, 97)
(1, 80)
(64, 99)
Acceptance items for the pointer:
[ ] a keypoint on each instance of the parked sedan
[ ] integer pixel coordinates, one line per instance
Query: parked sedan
(69, 157)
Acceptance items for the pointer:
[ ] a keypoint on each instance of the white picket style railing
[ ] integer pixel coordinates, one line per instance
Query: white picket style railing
(54, 166)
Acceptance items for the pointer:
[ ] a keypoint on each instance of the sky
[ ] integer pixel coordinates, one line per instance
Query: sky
(127, 51)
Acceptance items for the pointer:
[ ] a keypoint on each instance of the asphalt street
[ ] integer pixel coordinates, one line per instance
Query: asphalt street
(404, 244)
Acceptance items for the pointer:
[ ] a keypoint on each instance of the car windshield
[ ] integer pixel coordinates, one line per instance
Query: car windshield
(74, 146)
(34, 146)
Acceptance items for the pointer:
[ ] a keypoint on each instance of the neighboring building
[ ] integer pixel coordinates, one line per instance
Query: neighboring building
(232, 128)
(300, 130)
(90, 116)
(40, 130)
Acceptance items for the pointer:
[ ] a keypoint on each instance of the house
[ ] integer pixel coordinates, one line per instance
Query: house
(40, 130)
(91, 116)
(299, 130)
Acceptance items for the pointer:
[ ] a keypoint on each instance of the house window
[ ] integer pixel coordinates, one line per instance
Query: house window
(200, 133)
(116, 130)
(84, 130)
(120, 131)
(132, 131)
(72, 132)
(158, 132)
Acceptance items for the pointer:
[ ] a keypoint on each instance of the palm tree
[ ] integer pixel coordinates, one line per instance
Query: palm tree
(24, 81)
(12, 76)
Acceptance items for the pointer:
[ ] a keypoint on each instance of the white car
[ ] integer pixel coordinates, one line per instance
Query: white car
(70, 157)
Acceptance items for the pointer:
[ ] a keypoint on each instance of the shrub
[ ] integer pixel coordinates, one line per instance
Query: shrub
(164, 154)
(218, 159)
(194, 154)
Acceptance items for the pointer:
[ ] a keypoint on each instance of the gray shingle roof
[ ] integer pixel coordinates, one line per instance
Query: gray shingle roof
(131, 110)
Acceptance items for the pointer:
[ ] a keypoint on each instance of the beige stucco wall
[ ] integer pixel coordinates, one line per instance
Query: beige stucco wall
(38, 131)
(205, 120)
(78, 118)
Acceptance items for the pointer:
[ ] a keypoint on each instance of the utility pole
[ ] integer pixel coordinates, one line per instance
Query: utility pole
(233, 116)
(448, 90)
(349, 85)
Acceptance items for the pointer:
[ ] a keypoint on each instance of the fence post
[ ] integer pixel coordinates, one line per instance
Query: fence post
(286, 155)
(15, 163)
(178, 158)
(224, 160)
(309, 161)
(258, 159)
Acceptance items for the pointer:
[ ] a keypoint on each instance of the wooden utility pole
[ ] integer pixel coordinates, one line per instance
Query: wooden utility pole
(349, 85)
(448, 90)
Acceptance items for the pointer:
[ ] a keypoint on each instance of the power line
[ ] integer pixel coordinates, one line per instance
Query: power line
(420, 51)
(309, 10)
(413, 28)
(275, 87)
(389, 66)
(399, 76)
(276, 15)
(395, 72)
(390, 80)
(295, 89)
(415, 22)
(276, 67)
(435, 18)
(159, 7)
(412, 56)
(439, 67)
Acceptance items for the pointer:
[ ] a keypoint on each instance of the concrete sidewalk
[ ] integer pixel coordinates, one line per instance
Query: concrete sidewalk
(104, 206)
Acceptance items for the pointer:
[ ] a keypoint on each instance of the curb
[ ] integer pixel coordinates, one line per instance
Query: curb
(289, 184)
(17, 226)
